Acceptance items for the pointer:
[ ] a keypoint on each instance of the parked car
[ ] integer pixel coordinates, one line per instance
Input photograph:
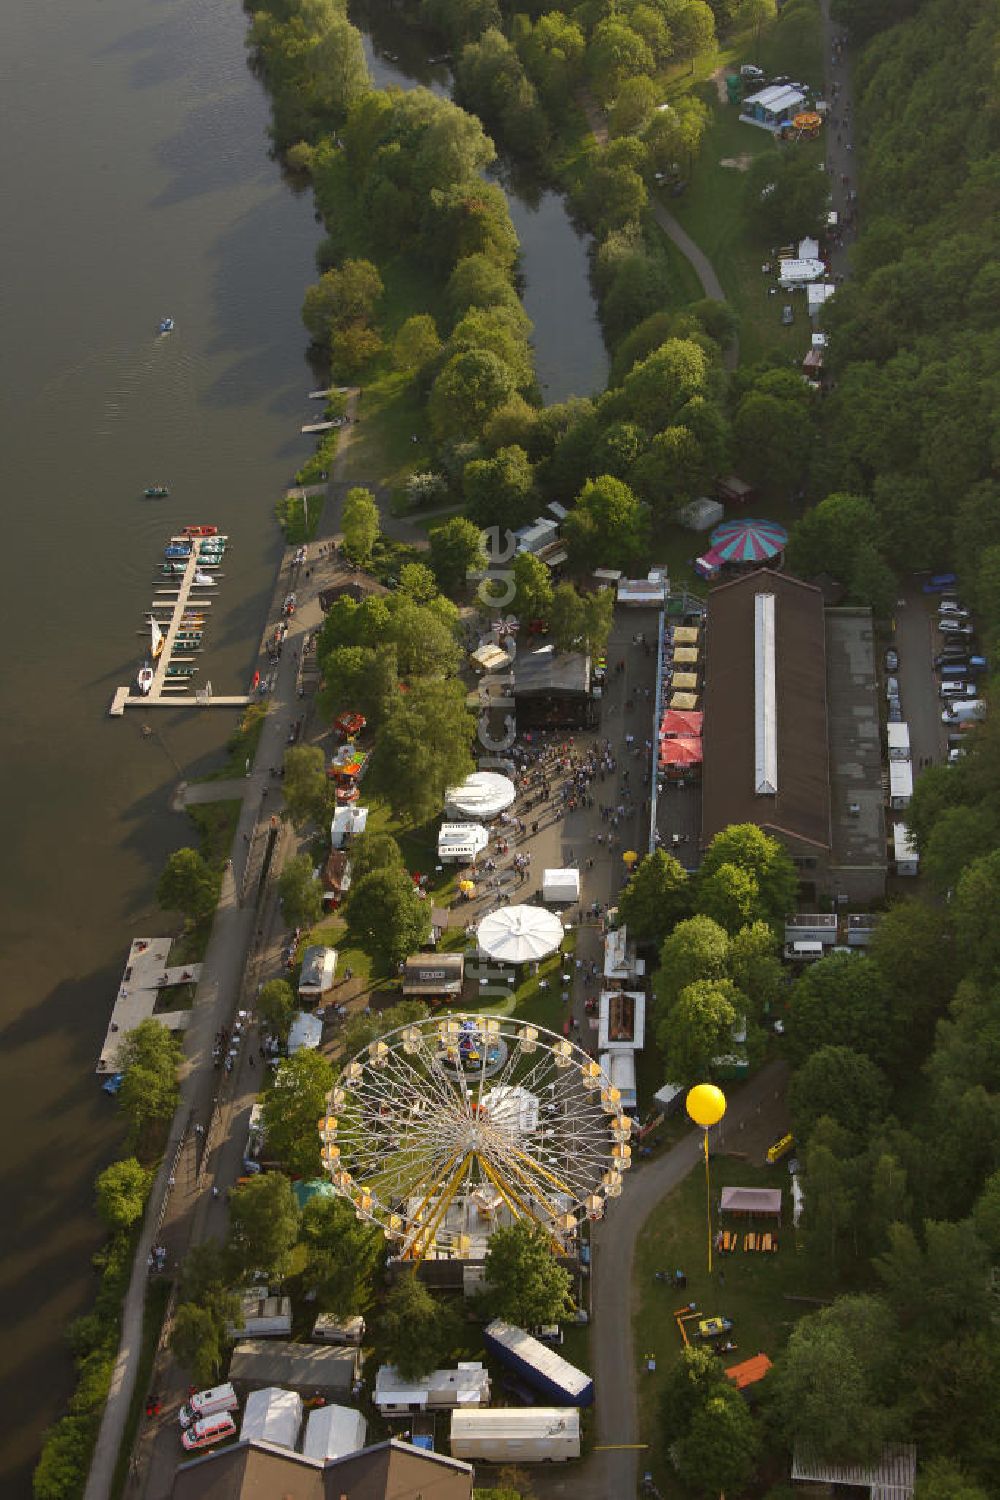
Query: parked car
(950, 626)
(895, 711)
(892, 661)
(787, 314)
(892, 687)
(939, 582)
(951, 607)
(954, 690)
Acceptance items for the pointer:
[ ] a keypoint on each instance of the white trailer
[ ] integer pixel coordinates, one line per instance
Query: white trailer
(905, 851)
(467, 1385)
(561, 885)
(898, 736)
(262, 1317)
(330, 1330)
(900, 784)
(516, 1435)
(620, 1068)
(333, 1432)
(461, 843)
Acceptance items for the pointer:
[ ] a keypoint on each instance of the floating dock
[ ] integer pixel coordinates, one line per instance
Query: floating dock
(180, 597)
(145, 980)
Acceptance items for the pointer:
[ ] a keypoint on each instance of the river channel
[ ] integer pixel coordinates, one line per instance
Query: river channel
(135, 183)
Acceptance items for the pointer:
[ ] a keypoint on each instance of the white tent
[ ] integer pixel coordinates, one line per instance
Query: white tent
(347, 823)
(483, 795)
(306, 1031)
(799, 272)
(700, 514)
(517, 934)
(333, 1431)
(460, 843)
(561, 885)
(272, 1416)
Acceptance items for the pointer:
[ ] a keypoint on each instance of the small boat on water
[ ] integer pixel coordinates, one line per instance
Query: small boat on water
(156, 491)
(144, 681)
(173, 569)
(200, 530)
(181, 671)
(156, 639)
(177, 550)
(167, 325)
(205, 580)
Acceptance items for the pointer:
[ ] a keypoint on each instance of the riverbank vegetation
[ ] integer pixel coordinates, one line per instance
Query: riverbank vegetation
(148, 1057)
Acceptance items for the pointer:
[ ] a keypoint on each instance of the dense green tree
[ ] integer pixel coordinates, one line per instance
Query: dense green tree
(615, 55)
(912, 950)
(358, 679)
(718, 1453)
(416, 344)
(698, 1028)
(634, 106)
(343, 1256)
(197, 1343)
(308, 792)
(977, 899)
(456, 552)
(730, 895)
(698, 948)
(204, 1274)
(500, 491)
(189, 885)
(149, 1057)
(375, 851)
(841, 1002)
(121, 1191)
(362, 1030)
(293, 1104)
(424, 748)
(340, 298)
(565, 618)
(300, 891)
(691, 1382)
(417, 582)
(941, 1479)
(939, 1289)
(986, 1215)
(842, 1084)
(655, 897)
(385, 913)
(276, 1007)
(525, 1284)
(822, 1391)
(533, 587)
(477, 281)
(263, 1225)
(772, 442)
(418, 1330)
(751, 849)
(359, 521)
(611, 195)
(755, 968)
(467, 392)
(553, 57)
(656, 388)
(503, 331)
(960, 835)
(606, 528)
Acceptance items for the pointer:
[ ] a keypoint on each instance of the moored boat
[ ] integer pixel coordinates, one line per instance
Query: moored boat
(144, 681)
(204, 580)
(167, 325)
(156, 491)
(155, 640)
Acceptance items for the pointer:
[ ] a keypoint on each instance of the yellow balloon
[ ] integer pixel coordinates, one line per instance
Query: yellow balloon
(706, 1104)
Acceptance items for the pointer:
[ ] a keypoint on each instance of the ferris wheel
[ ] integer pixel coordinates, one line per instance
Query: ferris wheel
(443, 1130)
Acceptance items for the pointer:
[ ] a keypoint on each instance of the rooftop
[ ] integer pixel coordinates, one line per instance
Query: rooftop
(263, 1471)
(550, 671)
(856, 795)
(790, 686)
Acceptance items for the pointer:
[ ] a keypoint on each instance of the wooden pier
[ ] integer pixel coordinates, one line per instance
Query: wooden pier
(181, 596)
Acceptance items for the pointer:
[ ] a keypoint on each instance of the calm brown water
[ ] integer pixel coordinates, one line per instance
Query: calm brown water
(135, 182)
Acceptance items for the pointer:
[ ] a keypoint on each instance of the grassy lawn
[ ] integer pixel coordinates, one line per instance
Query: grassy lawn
(751, 1289)
(152, 1324)
(382, 453)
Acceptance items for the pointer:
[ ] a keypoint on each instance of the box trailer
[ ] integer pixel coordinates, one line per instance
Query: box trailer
(330, 1330)
(516, 1435)
(539, 1365)
(262, 1317)
(620, 1068)
(467, 1385)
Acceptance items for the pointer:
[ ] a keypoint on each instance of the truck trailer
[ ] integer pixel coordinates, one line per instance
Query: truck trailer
(516, 1435)
(539, 1365)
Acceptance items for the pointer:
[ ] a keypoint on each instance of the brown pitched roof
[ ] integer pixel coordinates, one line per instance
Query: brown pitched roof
(262, 1471)
(801, 807)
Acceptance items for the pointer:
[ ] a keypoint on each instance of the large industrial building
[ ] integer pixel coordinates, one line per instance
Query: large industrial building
(791, 730)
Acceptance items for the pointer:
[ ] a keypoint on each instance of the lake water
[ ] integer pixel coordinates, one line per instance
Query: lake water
(136, 182)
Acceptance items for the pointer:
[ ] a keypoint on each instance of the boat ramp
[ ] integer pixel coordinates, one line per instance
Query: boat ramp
(144, 982)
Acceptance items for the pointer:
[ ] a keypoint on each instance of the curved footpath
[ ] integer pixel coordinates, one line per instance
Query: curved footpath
(692, 252)
(613, 1469)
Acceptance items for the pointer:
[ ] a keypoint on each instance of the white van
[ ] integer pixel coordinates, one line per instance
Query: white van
(208, 1431)
(218, 1398)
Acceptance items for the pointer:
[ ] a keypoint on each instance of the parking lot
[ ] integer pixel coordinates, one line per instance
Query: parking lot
(918, 641)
